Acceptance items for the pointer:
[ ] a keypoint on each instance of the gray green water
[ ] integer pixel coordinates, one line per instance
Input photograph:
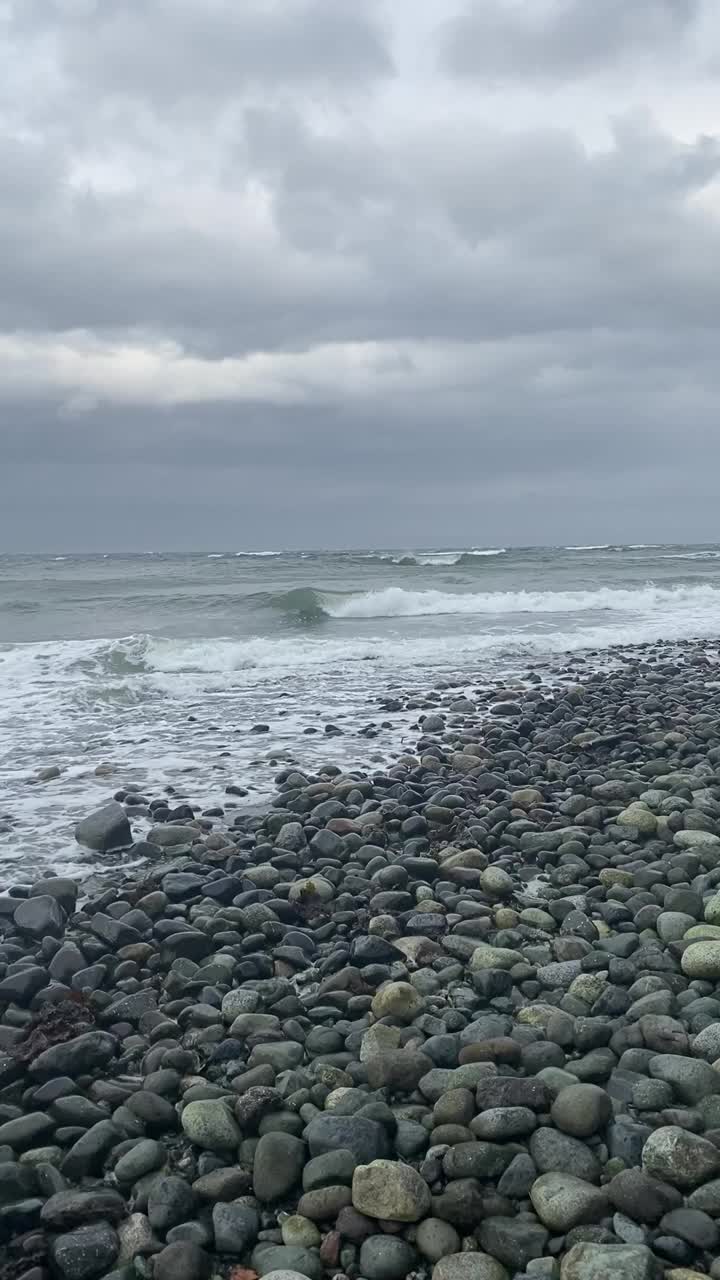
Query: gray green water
(160, 664)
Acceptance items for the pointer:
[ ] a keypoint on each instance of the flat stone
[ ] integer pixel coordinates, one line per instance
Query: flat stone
(69, 1208)
(143, 1158)
(168, 835)
(486, 957)
(509, 1091)
(26, 1131)
(693, 839)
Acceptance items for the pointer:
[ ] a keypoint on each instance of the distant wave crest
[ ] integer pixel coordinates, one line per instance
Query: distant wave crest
(430, 559)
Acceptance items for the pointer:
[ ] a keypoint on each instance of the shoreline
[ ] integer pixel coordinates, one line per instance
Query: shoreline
(492, 964)
(66, 791)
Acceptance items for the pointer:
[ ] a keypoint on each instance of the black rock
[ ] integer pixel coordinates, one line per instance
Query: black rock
(105, 830)
(40, 917)
(19, 988)
(70, 1208)
(366, 1139)
(85, 1253)
(183, 1260)
(75, 1057)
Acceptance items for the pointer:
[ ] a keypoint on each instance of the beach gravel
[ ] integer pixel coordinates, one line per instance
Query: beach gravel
(456, 1017)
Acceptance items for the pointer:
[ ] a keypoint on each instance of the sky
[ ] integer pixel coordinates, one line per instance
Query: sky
(358, 273)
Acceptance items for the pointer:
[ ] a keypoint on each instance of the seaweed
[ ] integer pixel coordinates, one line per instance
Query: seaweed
(54, 1024)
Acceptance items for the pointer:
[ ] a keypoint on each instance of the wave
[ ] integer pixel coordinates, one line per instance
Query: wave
(182, 668)
(258, 554)
(429, 559)
(302, 604)
(449, 558)
(592, 546)
(395, 602)
(691, 555)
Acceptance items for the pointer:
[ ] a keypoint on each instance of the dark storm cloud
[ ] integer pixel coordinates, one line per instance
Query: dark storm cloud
(447, 233)
(559, 38)
(256, 267)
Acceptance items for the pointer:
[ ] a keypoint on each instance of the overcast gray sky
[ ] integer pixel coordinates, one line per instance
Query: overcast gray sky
(358, 272)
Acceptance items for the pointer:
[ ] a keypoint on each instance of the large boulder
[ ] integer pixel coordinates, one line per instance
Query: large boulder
(105, 829)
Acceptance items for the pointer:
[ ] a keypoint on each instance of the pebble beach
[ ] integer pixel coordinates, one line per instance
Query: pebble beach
(456, 1017)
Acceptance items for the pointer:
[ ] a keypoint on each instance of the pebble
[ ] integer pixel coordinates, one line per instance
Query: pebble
(469, 1266)
(456, 1015)
(389, 1190)
(562, 1201)
(591, 1261)
(211, 1125)
(87, 1252)
(278, 1165)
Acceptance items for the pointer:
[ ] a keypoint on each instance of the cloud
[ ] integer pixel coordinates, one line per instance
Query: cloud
(274, 239)
(551, 39)
(170, 51)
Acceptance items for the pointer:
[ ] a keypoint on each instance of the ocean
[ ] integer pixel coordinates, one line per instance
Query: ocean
(159, 669)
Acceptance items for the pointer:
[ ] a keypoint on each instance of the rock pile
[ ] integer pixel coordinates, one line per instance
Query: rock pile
(458, 1019)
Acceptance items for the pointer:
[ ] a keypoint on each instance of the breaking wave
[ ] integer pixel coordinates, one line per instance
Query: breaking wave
(310, 605)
